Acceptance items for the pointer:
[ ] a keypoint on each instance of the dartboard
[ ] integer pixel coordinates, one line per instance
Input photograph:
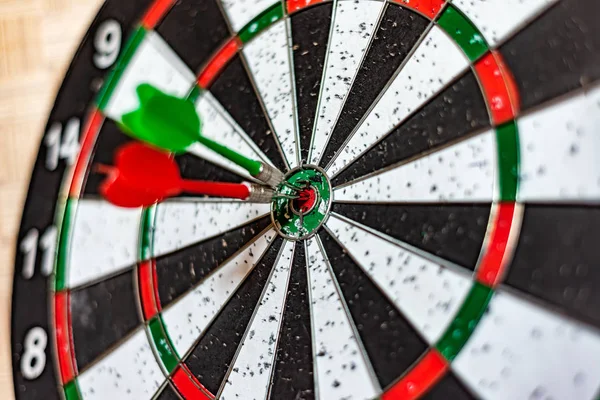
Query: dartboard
(305, 199)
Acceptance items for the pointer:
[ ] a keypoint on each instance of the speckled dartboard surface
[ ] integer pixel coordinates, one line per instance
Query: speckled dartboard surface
(456, 253)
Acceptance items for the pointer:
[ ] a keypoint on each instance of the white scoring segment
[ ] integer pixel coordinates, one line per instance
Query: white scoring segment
(560, 145)
(129, 372)
(187, 318)
(183, 223)
(521, 351)
(154, 62)
(252, 369)
(104, 241)
(218, 125)
(497, 19)
(353, 29)
(464, 172)
(269, 62)
(426, 293)
(335, 343)
(434, 64)
(240, 12)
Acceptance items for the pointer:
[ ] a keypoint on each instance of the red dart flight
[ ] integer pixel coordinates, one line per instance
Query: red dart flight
(143, 176)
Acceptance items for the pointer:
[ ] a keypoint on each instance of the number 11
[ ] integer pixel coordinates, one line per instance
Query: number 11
(47, 244)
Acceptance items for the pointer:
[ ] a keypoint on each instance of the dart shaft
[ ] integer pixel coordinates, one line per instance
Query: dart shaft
(243, 191)
(252, 166)
(173, 124)
(261, 171)
(218, 189)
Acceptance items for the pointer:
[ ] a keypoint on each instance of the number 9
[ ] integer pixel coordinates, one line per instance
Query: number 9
(107, 43)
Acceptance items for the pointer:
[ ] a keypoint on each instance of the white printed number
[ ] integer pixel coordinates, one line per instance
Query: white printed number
(29, 246)
(107, 43)
(33, 361)
(62, 144)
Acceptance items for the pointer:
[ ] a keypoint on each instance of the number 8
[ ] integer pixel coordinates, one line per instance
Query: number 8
(33, 361)
(107, 43)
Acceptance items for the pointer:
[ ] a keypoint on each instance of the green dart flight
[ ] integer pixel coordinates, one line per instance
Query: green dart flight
(172, 124)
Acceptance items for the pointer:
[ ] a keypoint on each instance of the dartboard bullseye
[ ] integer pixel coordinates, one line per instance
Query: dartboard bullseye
(301, 203)
(312, 199)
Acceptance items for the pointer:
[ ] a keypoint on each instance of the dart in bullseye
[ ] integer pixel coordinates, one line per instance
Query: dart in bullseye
(143, 176)
(172, 124)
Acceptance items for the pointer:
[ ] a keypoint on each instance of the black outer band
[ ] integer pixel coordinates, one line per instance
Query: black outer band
(32, 297)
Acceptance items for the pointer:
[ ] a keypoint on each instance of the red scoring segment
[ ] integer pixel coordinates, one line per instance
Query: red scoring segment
(490, 270)
(149, 298)
(296, 5)
(428, 370)
(143, 176)
(225, 54)
(499, 87)
(95, 121)
(64, 342)
(429, 8)
(188, 386)
(156, 12)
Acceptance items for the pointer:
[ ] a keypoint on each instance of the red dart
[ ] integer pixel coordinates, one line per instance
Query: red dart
(143, 176)
(116, 190)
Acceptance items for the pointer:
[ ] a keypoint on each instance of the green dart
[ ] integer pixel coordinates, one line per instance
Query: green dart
(171, 123)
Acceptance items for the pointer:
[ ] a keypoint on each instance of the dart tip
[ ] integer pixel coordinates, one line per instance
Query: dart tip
(285, 196)
(292, 186)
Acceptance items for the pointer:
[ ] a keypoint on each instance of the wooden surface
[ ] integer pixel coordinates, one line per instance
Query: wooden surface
(37, 41)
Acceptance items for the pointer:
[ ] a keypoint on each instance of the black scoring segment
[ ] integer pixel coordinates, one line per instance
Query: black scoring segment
(102, 315)
(110, 138)
(210, 359)
(293, 370)
(558, 52)
(196, 168)
(449, 387)
(457, 111)
(234, 90)
(452, 232)
(391, 342)
(181, 271)
(397, 34)
(310, 36)
(557, 258)
(168, 393)
(195, 29)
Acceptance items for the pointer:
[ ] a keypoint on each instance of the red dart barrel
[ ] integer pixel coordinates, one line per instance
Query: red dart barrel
(218, 189)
